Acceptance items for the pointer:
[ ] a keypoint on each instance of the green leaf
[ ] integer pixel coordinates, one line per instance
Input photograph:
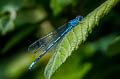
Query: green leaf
(74, 68)
(80, 34)
(10, 6)
(7, 5)
(36, 14)
(114, 47)
(58, 5)
(103, 43)
(19, 63)
(7, 23)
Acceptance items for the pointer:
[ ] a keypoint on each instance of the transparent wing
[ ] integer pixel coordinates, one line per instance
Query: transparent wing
(44, 42)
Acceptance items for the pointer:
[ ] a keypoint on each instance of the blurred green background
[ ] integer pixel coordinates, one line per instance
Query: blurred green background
(24, 21)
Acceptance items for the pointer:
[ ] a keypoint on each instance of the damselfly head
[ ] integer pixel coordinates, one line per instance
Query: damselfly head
(79, 18)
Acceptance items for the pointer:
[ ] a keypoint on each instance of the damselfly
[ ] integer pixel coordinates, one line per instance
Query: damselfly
(48, 44)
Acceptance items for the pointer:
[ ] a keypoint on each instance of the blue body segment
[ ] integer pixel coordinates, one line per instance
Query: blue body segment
(70, 25)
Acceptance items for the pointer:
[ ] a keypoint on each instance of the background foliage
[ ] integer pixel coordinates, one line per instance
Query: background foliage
(24, 21)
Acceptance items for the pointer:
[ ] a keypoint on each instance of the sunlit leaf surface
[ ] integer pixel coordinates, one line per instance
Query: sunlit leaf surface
(79, 33)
